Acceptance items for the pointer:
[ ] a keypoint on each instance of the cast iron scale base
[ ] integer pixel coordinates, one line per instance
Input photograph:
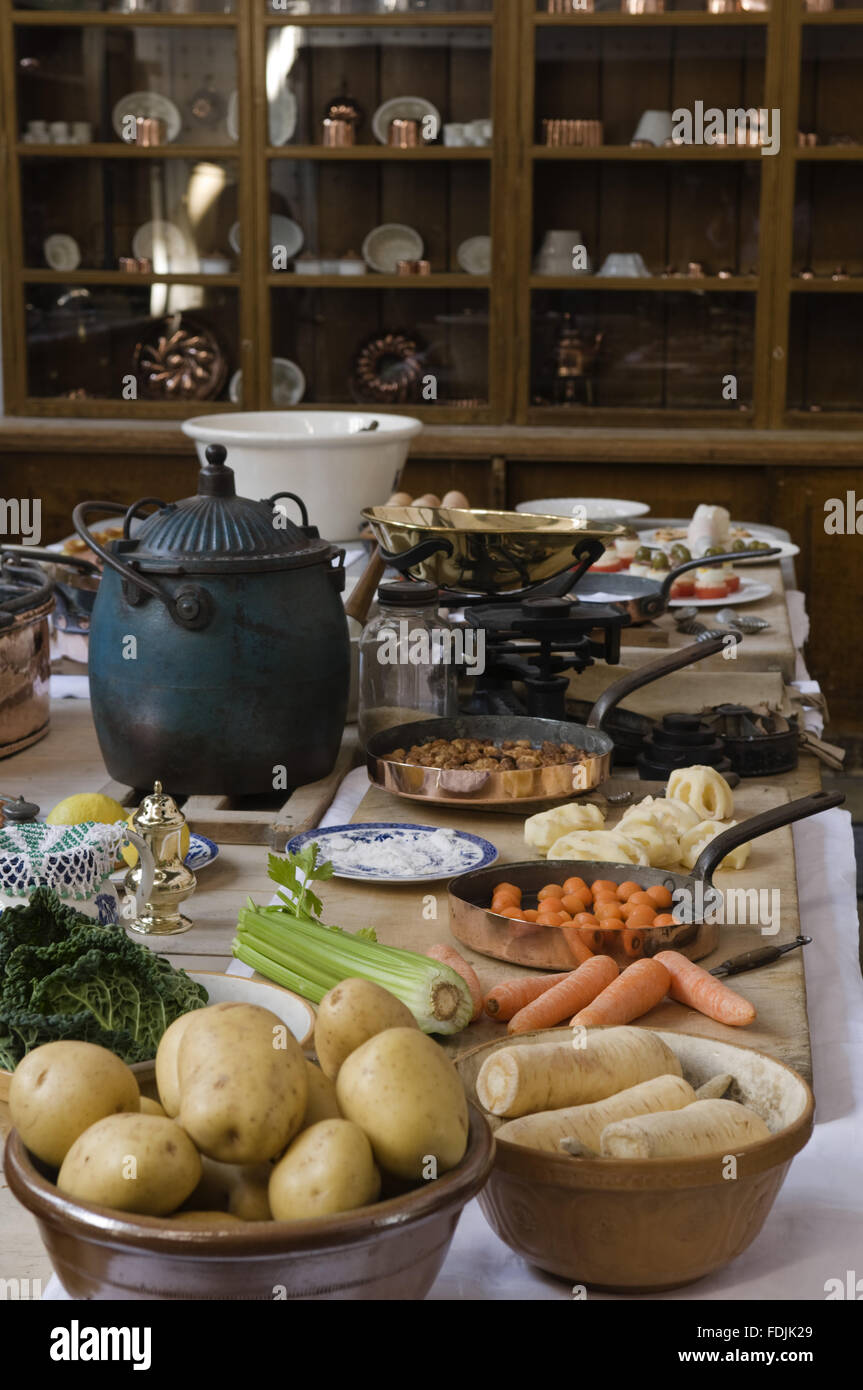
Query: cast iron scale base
(532, 636)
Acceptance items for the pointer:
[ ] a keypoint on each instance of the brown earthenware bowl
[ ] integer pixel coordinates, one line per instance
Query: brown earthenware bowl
(637, 1226)
(392, 1250)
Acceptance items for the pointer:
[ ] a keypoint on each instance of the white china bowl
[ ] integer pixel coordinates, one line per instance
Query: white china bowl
(326, 456)
(602, 509)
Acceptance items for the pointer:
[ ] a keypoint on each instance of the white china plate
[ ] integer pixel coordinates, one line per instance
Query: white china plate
(287, 383)
(284, 232)
(61, 252)
(787, 549)
(282, 116)
(474, 255)
(390, 243)
(747, 593)
(449, 852)
(296, 1013)
(147, 104)
(403, 109)
(166, 246)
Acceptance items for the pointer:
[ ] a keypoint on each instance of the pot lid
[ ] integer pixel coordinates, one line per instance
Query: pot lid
(217, 530)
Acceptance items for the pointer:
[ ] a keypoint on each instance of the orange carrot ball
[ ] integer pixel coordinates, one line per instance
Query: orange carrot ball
(643, 916)
(660, 896)
(603, 883)
(576, 885)
(626, 890)
(551, 890)
(607, 909)
(665, 919)
(530, 914)
(586, 919)
(642, 898)
(574, 902)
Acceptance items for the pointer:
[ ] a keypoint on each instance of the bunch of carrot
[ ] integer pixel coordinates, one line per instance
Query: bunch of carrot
(602, 915)
(596, 993)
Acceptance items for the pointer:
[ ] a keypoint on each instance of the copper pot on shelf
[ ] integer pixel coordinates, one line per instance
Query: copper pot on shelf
(403, 133)
(337, 132)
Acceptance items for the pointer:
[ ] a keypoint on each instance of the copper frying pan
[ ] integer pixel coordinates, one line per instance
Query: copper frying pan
(527, 943)
(519, 789)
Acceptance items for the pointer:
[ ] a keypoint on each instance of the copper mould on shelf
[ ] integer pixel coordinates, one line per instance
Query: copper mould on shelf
(695, 270)
(643, 6)
(337, 132)
(413, 268)
(403, 133)
(806, 139)
(569, 6)
(572, 132)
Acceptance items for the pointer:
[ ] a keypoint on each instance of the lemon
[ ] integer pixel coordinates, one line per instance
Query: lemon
(86, 806)
(130, 854)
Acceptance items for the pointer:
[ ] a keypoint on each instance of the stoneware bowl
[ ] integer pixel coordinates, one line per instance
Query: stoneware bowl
(392, 1250)
(637, 1226)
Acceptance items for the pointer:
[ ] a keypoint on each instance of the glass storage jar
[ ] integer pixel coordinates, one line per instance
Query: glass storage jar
(407, 660)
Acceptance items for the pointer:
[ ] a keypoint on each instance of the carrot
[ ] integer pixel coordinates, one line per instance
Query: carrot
(606, 909)
(574, 902)
(578, 949)
(702, 991)
(665, 919)
(504, 1001)
(637, 990)
(550, 890)
(448, 956)
(576, 885)
(603, 884)
(557, 1003)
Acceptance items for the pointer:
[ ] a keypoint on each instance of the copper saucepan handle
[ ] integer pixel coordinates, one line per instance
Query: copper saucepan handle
(357, 606)
(654, 670)
(713, 853)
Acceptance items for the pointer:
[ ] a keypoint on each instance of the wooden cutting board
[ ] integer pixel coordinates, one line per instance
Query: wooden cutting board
(417, 916)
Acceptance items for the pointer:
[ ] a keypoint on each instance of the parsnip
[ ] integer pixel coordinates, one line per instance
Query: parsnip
(550, 1130)
(715, 1088)
(704, 1128)
(520, 1080)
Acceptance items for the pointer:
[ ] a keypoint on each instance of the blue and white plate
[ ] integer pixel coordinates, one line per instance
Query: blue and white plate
(387, 852)
(201, 852)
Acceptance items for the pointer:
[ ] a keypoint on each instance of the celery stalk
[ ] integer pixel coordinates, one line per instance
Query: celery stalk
(310, 958)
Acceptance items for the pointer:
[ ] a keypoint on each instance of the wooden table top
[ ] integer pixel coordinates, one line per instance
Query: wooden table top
(68, 760)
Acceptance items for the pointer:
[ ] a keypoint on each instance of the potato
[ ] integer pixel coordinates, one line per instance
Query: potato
(62, 1088)
(243, 1086)
(322, 1103)
(328, 1168)
(167, 1080)
(352, 1012)
(150, 1107)
(234, 1188)
(138, 1163)
(403, 1090)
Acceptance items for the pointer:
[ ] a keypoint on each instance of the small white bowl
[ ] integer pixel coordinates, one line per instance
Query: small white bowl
(390, 243)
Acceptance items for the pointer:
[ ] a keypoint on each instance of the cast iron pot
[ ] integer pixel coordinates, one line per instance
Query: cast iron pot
(219, 648)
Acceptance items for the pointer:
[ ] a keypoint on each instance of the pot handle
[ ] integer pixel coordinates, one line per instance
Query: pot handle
(40, 555)
(34, 596)
(277, 496)
(148, 873)
(713, 560)
(713, 853)
(654, 670)
(189, 608)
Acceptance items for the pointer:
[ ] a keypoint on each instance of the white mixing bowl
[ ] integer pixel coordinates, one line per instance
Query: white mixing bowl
(330, 458)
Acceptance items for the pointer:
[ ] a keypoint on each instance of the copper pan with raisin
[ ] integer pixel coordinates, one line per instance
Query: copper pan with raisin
(511, 762)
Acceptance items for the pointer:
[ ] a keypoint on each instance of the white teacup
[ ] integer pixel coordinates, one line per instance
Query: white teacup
(654, 126)
(60, 133)
(455, 133)
(38, 130)
(628, 264)
(82, 132)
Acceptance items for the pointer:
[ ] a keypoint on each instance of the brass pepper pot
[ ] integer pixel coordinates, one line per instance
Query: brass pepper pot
(159, 821)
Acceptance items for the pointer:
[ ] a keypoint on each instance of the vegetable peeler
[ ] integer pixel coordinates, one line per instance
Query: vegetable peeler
(763, 955)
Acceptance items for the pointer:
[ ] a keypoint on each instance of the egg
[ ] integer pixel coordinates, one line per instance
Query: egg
(428, 499)
(399, 499)
(456, 500)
